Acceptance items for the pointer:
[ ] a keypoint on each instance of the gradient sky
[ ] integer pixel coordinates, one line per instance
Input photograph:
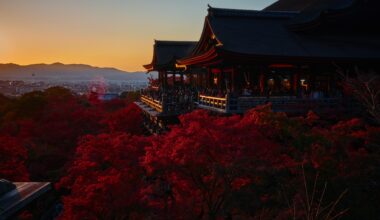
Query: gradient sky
(112, 33)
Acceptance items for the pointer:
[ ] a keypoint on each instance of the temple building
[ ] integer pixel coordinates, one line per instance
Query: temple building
(171, 94)
(290, 54)
(287, 55)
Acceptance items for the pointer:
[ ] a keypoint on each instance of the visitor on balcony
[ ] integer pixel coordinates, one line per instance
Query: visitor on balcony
(247, 91)
(317, 93)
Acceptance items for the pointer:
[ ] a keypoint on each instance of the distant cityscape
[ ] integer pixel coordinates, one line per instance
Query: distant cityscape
(15, 88)
(16, 80)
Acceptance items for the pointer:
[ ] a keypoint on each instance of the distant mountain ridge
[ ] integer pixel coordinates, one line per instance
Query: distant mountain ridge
(66, 72)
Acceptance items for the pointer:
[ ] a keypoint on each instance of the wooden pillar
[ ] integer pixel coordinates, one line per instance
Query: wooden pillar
(174, 78)
(181, 74)
(233, 79)
(165, 79)
(203, 77)
(225, 79)
(296, 80)
(160, 77)
(312, 81)
(208, 79)
(198, 79)
(329, 85)
(220, 79)
(191, 79)
(262, 81)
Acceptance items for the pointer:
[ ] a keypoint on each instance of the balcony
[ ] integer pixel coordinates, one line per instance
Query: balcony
(167, 104)
(213, 103)
(289, 104)
(152, 103)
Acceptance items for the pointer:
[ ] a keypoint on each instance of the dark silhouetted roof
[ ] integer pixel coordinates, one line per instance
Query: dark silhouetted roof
(326, 12)
(266, 33)
(289, 5)
(357, 15)
(241, 13)
(260, 33)
(307, 5)
(167, 52)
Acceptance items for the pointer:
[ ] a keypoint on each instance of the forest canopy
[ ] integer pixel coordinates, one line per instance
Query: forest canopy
(260, 165)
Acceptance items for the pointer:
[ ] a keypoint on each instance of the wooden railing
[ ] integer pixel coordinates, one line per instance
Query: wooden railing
(155, 104)
(229, 104)
(279, 103)
(215, 102)
(290, 103)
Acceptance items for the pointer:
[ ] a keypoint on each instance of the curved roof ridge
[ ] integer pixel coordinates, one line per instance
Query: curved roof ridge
(309, 5)
(226, 12)
(174, 42)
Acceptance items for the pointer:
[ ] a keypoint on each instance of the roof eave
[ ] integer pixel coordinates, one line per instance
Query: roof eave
(205, 57)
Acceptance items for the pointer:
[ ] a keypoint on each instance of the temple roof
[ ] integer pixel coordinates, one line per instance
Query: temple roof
(250, 34)
(339, 16)
(242, 13)
(331, 13)
(267, 34)
(289, 5)
(307, 5)
(165, 53)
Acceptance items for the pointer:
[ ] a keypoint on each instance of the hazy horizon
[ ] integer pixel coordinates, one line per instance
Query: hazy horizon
(115, 33)
(69, 64)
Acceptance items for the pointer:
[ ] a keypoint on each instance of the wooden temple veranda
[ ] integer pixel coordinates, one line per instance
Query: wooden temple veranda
(168, 97)
(286, 54)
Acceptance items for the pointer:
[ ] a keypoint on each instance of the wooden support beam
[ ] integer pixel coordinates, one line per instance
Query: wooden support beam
(174, 73)
(233, 80)
(262, 81)
(166, 80)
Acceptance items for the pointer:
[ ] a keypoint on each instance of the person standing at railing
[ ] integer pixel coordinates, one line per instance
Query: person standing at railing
(317, 94)
(246, 92)
(269, 94)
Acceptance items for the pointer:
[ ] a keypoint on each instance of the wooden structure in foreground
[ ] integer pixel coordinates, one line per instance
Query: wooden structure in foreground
(246, 58)
(20, 195)
(170, 96)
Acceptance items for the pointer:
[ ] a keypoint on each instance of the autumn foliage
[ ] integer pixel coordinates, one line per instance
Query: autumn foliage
(12, 159)
(260, 165)
(105, 178)
(47, 126)
(212, 167)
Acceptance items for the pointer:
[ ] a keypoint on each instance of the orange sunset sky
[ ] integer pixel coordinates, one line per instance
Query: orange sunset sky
(112, 33)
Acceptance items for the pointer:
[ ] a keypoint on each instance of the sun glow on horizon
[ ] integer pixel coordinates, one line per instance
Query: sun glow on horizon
(115, 33)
